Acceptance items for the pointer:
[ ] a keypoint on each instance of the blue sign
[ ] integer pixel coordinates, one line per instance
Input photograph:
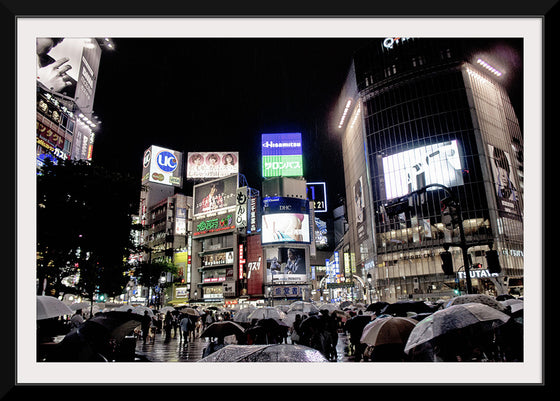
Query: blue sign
(279, 204)
(281, 144)
(166, 161)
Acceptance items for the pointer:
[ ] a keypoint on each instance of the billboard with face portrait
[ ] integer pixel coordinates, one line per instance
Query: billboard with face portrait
(69, 66)
(504, 183)
(288, 266)
(212, 164)
(216, 196)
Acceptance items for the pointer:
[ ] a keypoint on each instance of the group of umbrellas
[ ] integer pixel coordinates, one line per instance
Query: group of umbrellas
(463, 329)
(405, 330)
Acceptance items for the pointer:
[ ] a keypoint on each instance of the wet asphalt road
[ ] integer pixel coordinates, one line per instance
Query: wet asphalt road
(175, 349)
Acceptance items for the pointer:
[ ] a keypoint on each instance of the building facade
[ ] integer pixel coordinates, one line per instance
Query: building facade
(423, 120)
(66, 123)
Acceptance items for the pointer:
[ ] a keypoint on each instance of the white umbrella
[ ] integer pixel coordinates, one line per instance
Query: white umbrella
(141, 309)
(515, 304)
(166, 309)
(267, 312)
(48, 307)
(330, 307)
(304, 307)
(124, 308)
(242, 315)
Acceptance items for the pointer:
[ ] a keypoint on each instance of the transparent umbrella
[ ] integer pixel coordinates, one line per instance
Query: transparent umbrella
(477, 298)
(242, 315)
(49, 307)
(303, 307)
(267, 312)
(265, 353)
(465, 321)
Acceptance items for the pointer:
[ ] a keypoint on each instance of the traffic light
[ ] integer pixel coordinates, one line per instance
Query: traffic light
(493, 261)
(447, 264)
(456, 291)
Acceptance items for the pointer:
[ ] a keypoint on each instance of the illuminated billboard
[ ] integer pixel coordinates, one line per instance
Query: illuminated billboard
(505, 183)
(289, 266)
(162, 166)
(69, 66)
(416, 168)
(285, 220)
(317, 194)
(212, 164)
(282, 155)
(216, 196)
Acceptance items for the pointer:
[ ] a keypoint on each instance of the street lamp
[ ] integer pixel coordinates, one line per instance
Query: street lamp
(162, 280)
(369, 279)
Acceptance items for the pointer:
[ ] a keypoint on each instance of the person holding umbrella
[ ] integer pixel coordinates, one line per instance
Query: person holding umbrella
(145, 324)
(184, 325)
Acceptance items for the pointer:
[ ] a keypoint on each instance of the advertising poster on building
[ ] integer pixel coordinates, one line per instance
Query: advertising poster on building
(360, 209)
(255, 265)
(507, 196)
(162, 166)
(288, 267)
(242, 207)
(212, 164)
(211, 225)
(285, 220)
(413, 169)
(282, 155)
(215, 196)
(317, 194)
(69, 66)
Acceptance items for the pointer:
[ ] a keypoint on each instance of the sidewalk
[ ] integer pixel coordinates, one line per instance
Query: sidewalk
(175, 350)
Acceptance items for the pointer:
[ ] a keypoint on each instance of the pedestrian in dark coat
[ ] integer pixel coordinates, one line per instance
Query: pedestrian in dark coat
(146, 323)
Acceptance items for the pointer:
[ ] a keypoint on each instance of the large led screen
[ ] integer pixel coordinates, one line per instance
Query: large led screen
(282, 155)
(215, 196)
(288, 267)
(413, 169)
(285, 220)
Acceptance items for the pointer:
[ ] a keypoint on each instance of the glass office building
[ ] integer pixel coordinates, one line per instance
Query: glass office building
(422, 121)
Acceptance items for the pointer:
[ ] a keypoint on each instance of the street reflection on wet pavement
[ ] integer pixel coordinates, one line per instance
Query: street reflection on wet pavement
(174, 349)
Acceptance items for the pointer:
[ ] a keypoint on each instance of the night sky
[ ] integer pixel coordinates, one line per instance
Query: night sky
(221, 95)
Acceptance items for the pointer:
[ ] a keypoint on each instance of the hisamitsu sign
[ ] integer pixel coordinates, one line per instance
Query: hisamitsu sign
(282, 155)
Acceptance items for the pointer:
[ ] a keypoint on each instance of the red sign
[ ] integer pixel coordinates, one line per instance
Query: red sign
(255, 265)
(242, 261)
(51, 135)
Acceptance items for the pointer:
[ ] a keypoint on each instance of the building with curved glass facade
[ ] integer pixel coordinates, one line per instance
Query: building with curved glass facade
(422, 120)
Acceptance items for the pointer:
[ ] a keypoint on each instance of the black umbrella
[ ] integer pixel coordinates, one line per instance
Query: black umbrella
(97, 340)
(355, 325)
(223, 329)
(377, 307)
(400, 308)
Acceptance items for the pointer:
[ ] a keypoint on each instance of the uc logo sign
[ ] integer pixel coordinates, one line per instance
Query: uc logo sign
(166, 161)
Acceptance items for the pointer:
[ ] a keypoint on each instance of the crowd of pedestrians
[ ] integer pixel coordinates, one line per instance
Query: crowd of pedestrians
(317, 331)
